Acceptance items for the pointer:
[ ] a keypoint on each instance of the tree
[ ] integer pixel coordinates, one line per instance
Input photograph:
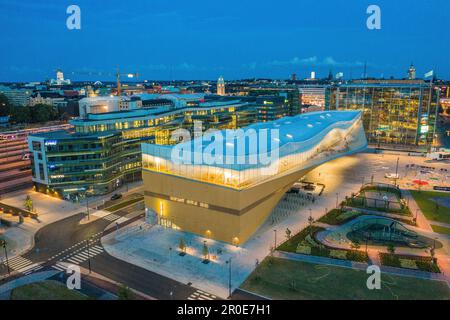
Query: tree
(391, 248)
(288, 234)
(432, 255)
(311, 222)
(43, 113)
(205, 251)
(124, 293)
(182, 246)
(21, 114)
(355, 245)
(5, 106)
(28, 203)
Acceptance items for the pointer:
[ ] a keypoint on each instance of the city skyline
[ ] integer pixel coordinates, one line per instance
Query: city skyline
(175, 41)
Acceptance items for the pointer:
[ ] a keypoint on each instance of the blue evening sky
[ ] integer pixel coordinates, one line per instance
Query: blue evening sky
(197, 39)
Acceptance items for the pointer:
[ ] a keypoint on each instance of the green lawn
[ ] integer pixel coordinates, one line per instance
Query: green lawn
(123, 204)
(428, 206)
(291, 245)
(46, 290)
(294, 280)
(337, 217)
(442, 230)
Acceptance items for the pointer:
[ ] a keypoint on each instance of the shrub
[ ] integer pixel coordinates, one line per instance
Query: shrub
(358, 256)
(408, 264)
(338, 254)
(303, 249)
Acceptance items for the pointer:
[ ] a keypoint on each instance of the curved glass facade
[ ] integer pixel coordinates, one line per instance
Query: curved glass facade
(303, 141)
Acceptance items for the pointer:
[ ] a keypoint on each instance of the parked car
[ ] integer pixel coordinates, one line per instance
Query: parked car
(392, 175)
(310, 187)
(294, 190)
(116, 196)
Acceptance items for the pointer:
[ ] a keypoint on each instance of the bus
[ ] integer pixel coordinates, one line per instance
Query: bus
(440, 155)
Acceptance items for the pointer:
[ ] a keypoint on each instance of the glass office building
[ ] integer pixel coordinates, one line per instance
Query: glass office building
(103, 151)
(394, 114)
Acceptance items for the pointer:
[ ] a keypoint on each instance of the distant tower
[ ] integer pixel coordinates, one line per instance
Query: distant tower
(313, 75)
(412, 72)
(294, 77)
(221, 86)
(59, 75)
(330, 75)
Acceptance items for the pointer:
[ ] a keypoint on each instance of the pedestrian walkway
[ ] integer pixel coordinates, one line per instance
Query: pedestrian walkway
(201, 295)
(440, 224)
(34, 277)
(18, 263)
(111, 217)
(85, 255)
(422, 221)
(361, 266)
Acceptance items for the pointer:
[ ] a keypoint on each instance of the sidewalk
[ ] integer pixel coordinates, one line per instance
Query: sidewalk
(361, 266)
(133, 187)
(20, 238)
(422, 221)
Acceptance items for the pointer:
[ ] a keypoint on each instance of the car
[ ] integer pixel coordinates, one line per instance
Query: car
(294, 190)
(392, 176)
(310, 187)
(116, 196)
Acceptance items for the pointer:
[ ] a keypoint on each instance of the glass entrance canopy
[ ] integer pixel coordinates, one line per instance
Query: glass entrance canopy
(253, 154)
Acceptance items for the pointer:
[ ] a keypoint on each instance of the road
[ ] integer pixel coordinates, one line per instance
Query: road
(66, 241)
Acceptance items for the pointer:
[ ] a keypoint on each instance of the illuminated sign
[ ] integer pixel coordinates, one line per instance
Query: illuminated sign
(51, 142)
(424, 129)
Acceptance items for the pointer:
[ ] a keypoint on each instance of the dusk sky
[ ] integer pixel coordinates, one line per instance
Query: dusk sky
(162, 39)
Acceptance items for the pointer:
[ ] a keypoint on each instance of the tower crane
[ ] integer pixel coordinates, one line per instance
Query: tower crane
(118, 74)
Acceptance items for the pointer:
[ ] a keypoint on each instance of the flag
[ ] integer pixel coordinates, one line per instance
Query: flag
(429, 74)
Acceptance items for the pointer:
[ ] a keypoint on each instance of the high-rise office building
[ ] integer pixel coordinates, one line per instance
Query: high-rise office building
(103, 151)
(395, 113)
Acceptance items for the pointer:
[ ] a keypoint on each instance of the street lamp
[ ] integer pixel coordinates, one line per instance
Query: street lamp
(229, 277)
(396, 171)
(86, 195)
(337, 199)
(3, 243)
(275, 243)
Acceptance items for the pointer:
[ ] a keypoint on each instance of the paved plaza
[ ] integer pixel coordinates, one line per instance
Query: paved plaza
(156, 248)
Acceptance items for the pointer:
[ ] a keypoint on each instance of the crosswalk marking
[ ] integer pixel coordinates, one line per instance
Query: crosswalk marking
(97, 250)
(77, 256)
(201, 295)
(73, 261)
(81, 256)
(111, 217)
(18, 263)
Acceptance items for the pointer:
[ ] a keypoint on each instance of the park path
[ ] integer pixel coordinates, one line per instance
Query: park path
(441, 224)
(361, 266)
(374, 256)
(422, 221)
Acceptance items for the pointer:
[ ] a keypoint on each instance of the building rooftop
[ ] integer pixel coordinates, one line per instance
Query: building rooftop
(65, 135)
(287, 135)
